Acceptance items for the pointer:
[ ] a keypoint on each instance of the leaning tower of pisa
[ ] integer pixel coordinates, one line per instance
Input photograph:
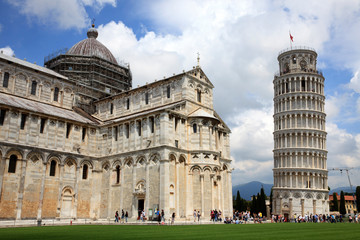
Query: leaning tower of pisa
(300, 171)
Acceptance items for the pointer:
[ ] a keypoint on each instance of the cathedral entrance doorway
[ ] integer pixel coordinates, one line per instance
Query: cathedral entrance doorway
(140, 206)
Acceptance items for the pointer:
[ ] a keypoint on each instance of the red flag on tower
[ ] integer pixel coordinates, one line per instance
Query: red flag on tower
(291, 37)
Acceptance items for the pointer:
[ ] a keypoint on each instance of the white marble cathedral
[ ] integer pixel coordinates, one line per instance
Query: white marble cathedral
(77, 142)
(300, 171)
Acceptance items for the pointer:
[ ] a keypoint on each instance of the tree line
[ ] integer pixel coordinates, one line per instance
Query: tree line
(256, 205)
(336, 207)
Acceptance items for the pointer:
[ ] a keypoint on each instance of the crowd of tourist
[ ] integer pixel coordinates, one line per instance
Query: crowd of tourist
(244, 217)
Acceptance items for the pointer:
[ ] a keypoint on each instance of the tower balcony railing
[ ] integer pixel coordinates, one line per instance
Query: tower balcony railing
(296, 48)
(279, 74)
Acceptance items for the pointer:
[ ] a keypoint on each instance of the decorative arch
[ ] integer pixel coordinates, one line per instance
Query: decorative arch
(297, 195)
(116, 163)
(34, 156)
(319, 196)
(155, 158)
(70, 161)
(195, 167)
(141, 160)
(182, 158)
(207, 168)
(172, 156)
(88, 162)
(54, 157)
(308, 195)
(106, 166)
(14, 151)
(67, 202)
(128, 162)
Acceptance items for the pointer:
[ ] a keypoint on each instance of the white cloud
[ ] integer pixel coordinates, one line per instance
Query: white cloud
(344, 152)
(238, 42)
(63, 14)
(355, 82)
(7, 50)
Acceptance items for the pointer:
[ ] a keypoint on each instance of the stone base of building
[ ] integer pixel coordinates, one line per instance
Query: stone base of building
(290, 203)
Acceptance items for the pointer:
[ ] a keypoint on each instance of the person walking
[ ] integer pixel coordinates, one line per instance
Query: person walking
(162, 216)
(194, 215)
(126, 216)
(172, 218)
(198, 216)
(116, 216)
(122, 216)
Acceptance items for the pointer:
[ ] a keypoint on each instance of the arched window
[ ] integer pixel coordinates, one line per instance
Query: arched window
(52, 168)
(168, 91)
(117, 174)
(199, 95)
(85, 171)
(33, 87)
(111, 108)
(6, 80)
(12, 164)
(194, 128)
(146, 98)
(127, 103)
(56, 94)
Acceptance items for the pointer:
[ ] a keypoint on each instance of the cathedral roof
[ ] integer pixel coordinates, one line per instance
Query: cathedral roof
(43, 108)
(92, 47)
(203, 114)
(31, 65)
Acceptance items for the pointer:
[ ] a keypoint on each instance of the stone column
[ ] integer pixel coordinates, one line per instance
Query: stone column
(212, 192)
(189, 192)
(291, 208)
(202, 195)
(61, 173)
(21, 188)
(109, 204)
(42, 191)
(147, 193)
(77, 180)
(134, 211)
(177, 190)
(229, 193)
(3, 162)
(219, 194)
(164, 186)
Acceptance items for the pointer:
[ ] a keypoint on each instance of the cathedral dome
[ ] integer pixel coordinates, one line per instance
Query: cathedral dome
(92, 47)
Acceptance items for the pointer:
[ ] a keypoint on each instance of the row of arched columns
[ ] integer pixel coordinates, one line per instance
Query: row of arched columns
(310, 180)
(299, 102)
(300, 160)
(299, 84)
(302, 120)
(300, 140)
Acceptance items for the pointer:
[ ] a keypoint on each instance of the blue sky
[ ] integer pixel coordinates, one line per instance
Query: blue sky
(238, 41)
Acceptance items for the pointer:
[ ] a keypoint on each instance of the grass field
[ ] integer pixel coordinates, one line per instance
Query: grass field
(221, 232)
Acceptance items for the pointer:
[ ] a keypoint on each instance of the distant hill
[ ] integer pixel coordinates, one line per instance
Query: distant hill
(339, 189)
(252, 188)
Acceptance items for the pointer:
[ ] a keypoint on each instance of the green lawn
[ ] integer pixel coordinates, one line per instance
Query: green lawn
(250, 231)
